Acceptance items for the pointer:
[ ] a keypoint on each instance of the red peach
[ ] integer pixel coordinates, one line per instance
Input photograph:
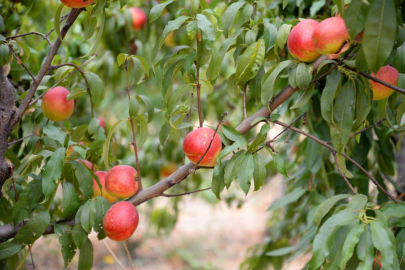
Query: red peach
(139, 18)
(168, 169)
(196, 143)
(77, 3)
(387, 74)
(300, 43)
(97, 192)
(121, 221)
(87, 163)
(55, 105)
(330, 35)
(102, 122)
(120, 181)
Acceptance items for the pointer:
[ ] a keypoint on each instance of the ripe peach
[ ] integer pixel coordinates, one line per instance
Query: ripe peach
(196, 143)
(120, 181)
(87, 163)
(139, 18)
(102, 122)
(121, 221)
(77, 3)
(387, 74)
(97, 192)
(55, 106)
(168, 169)
(300, 43)
(330, 35)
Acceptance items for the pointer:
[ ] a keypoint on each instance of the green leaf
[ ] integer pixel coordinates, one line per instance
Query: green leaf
(93, 126)
(260, 138)
(280, 251)
(363, 102)
(342, 117)
(121, 58)
(96, 87)
(1, 24)
(382, 240)
(86, 256)
(143, 62)
(149, 107)
(88, 215)
(133, 107)
(68, 247)
(99, 35)
(106, 145)
(227, 42)
(228, 18)
(175, 97)
(233, 134)
(280, 165)
(304, 97)
(5, 55)
(365, 250)
(269, 79)
(321, 248)
(70, 202)
(355, 17)
(174, 25)
(90, 24)
(230, 148)
(55, 133)
(250, 62)
(56, 21)
(358, 202)
(84, 178)
(192, 29)
(75, 93)
(379, 34)
(215, 65)
(53, 170)
(28, 200)
(351, 241)
(218, 183)
(232, 167)
(326, 206)
(8, 249)
(269, 35)
(328, 95)
(207, 31)
(34, 229)
(303, 76)
(79, 235)
(291, 197)
(98, 8)
(102, 205)
(259, 173)
(245, 173)
(282, 35)
(157, 10)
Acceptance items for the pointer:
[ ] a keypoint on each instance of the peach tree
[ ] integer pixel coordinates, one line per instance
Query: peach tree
(106, 105)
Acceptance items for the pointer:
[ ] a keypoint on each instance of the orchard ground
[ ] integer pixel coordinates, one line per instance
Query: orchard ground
(227, 233)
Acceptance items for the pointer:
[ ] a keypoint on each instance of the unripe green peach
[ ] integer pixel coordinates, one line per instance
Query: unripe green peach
(387, 74)
(55, 105)
(196, 143)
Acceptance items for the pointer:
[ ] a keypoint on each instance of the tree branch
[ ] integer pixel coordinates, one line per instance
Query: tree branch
(31, 33)
(185, 193)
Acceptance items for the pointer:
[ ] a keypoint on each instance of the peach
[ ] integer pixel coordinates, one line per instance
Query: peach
(77, 3)
(300, 43)
(55, 105)
(102, 122)
(87, 163)
(139, 18)
(196, 143)
(121, 221)
(97, 191)
(330, 35)
(168, 169)
(120, 181)
(387, 74)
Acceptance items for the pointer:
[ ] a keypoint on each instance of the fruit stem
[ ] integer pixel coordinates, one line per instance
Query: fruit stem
(138, 178)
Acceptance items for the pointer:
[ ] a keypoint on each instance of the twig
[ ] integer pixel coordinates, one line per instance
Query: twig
(133, 130)
(342, 174)
(16, 141)
(84, 77)
(128, 254)
(64, 78)
(112, 253)
(323, 143)
(61, 20)
(244, 103)
(31, 33)
(19, 61)
(185, 193)
(209, 146)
